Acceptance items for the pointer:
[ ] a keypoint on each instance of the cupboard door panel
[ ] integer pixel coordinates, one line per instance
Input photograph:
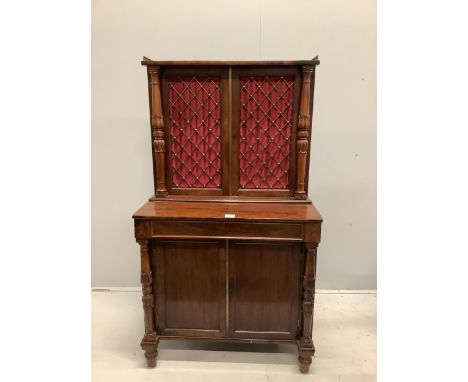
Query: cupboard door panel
(264, 129)
(191, 287)
(264, 290)
(195, 110)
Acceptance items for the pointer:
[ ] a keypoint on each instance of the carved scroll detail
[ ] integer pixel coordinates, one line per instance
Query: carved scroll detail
(305, 344)
(146, 278)
(157, 130)
(303, 132)
(308, 297)
(146, 281)
(150, 340)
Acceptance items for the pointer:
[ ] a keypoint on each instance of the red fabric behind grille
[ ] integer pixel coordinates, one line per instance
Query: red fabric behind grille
(265, 131)
(194, 112)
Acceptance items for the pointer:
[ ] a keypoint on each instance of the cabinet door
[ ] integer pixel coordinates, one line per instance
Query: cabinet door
(195, 103)
(264, 290)
(190, 279)
(264, 121)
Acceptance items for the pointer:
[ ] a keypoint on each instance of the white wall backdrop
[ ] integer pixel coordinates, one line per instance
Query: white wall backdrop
(343, 159)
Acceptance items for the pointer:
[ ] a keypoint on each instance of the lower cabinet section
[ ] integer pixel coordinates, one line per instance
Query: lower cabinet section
(230, 289)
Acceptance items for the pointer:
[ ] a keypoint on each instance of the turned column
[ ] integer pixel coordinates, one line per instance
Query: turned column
(157, 132)
(303, 131)
(150, 340)
(306, 345)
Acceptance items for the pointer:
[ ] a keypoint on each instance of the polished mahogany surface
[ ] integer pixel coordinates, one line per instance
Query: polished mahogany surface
(173, 210)
(190, 282)
(264, 299)
(228, 241)
(148, 61)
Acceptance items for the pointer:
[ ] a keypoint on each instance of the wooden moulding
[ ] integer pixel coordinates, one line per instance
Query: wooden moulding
(153, 229)
(157, 132)
(149, 62)
(305, 344)
(228, 229)
(149, 343)
(303, 131)
(259, 212)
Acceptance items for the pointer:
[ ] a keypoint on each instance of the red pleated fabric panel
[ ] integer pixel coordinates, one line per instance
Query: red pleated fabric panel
(194, 113)
(265, 131)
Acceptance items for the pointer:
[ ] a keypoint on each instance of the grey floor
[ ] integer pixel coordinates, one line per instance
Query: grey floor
(344, 336)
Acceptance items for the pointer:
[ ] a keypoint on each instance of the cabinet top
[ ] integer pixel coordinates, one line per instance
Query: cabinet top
(149, 62)
(228, 211)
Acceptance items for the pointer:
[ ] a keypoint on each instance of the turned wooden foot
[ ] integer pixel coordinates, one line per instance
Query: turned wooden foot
(306, 350)
(304, 364)
(150, 356)
(150, 345)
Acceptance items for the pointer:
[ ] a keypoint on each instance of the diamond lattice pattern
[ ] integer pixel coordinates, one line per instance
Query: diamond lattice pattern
(194, 112)
(265, 131)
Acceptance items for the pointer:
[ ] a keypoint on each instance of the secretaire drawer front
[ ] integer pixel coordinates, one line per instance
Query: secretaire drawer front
(289, 231)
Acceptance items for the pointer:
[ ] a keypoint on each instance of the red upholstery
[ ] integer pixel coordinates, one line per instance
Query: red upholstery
(194, 112)
(265, 131)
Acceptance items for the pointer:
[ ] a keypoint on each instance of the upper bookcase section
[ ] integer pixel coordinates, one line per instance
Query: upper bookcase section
(236, 130)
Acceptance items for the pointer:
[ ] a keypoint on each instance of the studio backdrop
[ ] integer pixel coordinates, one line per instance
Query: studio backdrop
(342, 182)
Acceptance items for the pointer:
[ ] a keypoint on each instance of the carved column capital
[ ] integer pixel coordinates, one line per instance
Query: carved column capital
(308, 69)
(143, 245)
(311, 246)
(154, 70)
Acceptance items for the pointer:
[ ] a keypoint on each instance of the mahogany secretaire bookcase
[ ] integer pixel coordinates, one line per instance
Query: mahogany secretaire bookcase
(228, 241)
